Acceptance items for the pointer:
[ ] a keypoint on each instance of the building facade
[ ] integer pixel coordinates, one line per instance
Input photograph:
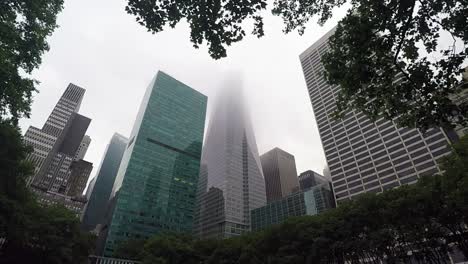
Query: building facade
(158, 175)
(366, 156)
(104, 182)
(309, 179)
(73, 203)
(308, 202)
(80, 171)
(58, 151)
(279, 170)
(80, 153)
(231, 178)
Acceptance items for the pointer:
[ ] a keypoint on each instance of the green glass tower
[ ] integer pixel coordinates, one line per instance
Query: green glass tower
(156, 184)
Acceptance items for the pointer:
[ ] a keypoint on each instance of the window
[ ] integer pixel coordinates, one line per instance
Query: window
(366, 166)
(384, 166)
(406, 172)
(385, 173)
(374, 144)
(409, 135)
(441, 152)
(412, 140)
(403, 166)
(350, 179)
(355, 190)
(422, 159)
(338, 183)
(409, 179)
(369, 179)
(380, 161)
(372, 184)
(388, 179)
(393, 142)
(394, 148)
(390, 186)
(372, 138)
(416, 146)
(438, 145)
(418, 153)
(354, 184)
(367, 173)
(351, 172)
(425, 165)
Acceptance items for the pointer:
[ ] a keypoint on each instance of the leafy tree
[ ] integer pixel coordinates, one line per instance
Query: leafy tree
(385, 56)
(384, 53)
(170, 248)
(130, 249)
(33, 233)
(416, 223)
(13, 167)
(24, 27)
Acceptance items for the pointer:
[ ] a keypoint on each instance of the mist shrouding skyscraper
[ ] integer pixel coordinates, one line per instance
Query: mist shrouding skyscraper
(231, 178)
(104, 182)
(157, 180)
(60, 173)
(366, 156)
(279, 169)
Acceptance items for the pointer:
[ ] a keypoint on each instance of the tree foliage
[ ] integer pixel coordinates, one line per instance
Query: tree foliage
(389, 58)
(421, 223)
(24, 27)
(388, 55)
(130, 249)
(33, 233)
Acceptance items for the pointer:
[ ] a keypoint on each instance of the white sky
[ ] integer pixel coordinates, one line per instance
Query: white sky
(101, 48)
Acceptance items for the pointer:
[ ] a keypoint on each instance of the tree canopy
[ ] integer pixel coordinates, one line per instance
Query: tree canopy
(421, 223)
(33, 233)
(389, 56)
(24, 27)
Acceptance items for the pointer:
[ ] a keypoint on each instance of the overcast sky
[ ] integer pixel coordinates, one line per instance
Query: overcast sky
(101, 48)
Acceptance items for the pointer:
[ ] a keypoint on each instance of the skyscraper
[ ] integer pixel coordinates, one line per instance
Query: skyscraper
(366, 156)
(58, 175)
(309, 179)
(104, 182)
(158, 175)
(279, 169)
(231, 178)
(47, 140)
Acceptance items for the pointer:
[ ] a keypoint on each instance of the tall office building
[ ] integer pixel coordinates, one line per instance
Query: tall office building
(366, 156)
(309, 179)
(58, 175)
(279, 170)
(104, 182)
(158, 175)
(231, 178)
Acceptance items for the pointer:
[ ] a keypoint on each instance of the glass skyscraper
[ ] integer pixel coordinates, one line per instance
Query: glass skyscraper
(104, 182)
(231, 178)
(158, 175)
